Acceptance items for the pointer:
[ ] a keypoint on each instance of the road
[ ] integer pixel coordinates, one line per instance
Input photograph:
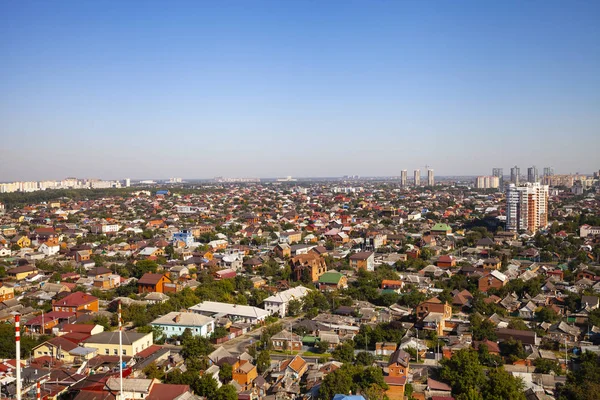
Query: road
(239, 344)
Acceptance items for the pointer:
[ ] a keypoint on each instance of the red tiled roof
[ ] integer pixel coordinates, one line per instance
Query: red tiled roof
(150, 279)
(78, 328)
(75, 300)
(395, 380)
(51, 316)
(149, 351)
(163, 391)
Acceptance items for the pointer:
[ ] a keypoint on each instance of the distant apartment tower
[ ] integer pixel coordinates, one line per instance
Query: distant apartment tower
(127, 182)
(487, 182)
(430, 178)
(403, 177)
(548, 171)
(526, 207)
(532, 174)
(515, 173)
(417, 177)
(499, 172)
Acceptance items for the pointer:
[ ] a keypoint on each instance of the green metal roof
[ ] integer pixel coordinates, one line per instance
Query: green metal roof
(331, 277)
(441, 227)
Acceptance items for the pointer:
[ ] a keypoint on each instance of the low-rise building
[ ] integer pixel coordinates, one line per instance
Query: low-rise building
(107, 343)
(278, 303)
(234, 312)
(175, 323)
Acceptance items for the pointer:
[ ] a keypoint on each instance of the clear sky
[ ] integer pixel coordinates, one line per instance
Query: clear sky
(197, 89)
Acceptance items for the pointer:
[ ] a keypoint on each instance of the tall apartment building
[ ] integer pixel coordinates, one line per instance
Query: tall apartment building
(526, 207)
(499, 173)
(417, 177)
(487, 182)
(430, 178)
(532, 174)
(515, 173)
(403, 176)
(548, 171)
(127, 182)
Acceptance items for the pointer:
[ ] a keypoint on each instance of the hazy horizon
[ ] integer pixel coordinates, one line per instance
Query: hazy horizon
(321, 89)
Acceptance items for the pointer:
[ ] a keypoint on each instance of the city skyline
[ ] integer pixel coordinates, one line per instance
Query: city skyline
(294, 88)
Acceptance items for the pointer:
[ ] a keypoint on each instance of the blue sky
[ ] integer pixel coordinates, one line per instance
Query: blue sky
(306, 88)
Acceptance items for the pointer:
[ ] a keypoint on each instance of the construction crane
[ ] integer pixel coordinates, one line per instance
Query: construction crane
(426, 166)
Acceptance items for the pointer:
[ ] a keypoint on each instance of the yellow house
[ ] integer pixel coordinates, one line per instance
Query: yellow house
(107, 343)
(6, 293)
(58, 348)
(22, 272)
(23, 241)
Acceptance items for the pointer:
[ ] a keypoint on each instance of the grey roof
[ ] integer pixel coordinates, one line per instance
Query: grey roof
(113, 337)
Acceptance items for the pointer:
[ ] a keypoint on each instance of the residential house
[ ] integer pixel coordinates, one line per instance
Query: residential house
(290, 237)
(244, 373)
(58, 348)
(83, 255)
(294, 368)
(398, 367)
(151, 252)
(76, 302)
(494, 279)
(22, 272)
(278, 303)
(308, 267)
(332, 280)
(282, 250)
(492, 263)
(440, 229)
(175, 323)
(525, 337)
(446, 261)
(433, 314)
(6, 292)
(363, 260)
(160, 283)
(286, 341)
(107, 343)
(235, 312)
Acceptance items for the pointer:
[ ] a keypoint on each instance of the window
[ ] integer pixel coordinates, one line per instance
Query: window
(106, 351)
(115, 352)
(124, 352)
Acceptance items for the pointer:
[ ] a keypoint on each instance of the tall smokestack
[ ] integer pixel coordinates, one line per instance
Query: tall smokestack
(38, 391)
(18, 350)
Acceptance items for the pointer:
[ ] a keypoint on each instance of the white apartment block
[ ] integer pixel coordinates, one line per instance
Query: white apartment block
(527, 207)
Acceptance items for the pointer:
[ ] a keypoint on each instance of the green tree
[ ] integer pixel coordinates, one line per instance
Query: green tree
(545, 366)
(153, 372)
(512, 349)
(503, 385)
(205, 386)
(294, 307)
(263, 361)
(322, 346)
(226, 392)
(225, 372)
(344, 352)
(195, 346)
(364, 358)
(463, 371)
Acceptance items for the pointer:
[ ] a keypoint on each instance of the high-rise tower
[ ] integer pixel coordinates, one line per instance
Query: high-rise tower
(417, 177)
(515, 173)
(403, 177)
(430, 178)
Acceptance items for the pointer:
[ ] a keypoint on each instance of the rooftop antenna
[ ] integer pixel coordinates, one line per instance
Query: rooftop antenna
(120, 353)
